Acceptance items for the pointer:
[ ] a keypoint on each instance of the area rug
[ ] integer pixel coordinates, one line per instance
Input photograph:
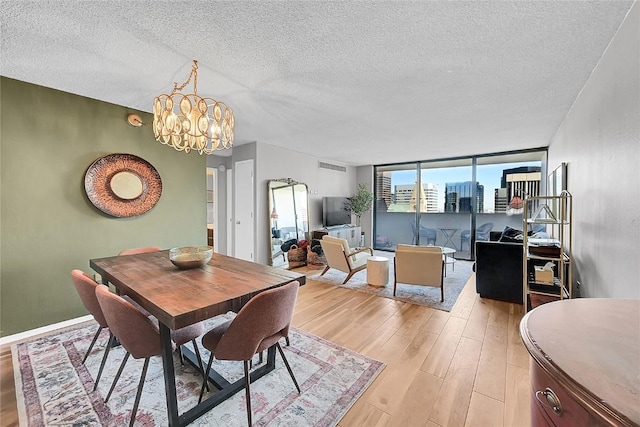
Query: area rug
(54, 387)
(457, 277)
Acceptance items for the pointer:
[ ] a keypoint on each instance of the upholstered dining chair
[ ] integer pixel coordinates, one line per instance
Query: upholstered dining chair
(341, 257)
(137, 333)
(86, 288)
(258, 326)
(135, 251)
(180, 336)
(419, 265)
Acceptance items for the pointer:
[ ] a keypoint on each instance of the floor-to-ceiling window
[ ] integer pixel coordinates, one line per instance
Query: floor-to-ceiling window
(454, 202)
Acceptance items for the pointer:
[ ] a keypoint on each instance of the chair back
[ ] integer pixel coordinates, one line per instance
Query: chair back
(135, 251)
(482, 232)
(419, 265)
(136, 332)
(259, 324)
(86, 288)
(335, 250)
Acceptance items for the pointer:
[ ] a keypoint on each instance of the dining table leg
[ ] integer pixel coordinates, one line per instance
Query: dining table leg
(169, 375)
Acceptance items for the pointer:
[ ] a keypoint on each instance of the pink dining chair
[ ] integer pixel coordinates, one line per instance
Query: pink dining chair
(137, 333)
(259, 325)
(135, 251)
(86, 288)
(180, 336)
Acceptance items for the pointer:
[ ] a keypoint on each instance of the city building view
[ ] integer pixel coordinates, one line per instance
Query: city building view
(457, 196)
(442, 199)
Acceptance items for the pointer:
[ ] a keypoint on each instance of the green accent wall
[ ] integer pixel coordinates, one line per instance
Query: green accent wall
(48, 227)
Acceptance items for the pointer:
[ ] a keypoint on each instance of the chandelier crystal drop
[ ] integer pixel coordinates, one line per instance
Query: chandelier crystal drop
(189, 122)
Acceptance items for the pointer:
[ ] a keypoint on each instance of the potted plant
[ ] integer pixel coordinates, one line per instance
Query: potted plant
(360, 202)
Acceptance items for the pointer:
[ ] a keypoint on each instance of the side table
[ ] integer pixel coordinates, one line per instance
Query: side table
(377, 271)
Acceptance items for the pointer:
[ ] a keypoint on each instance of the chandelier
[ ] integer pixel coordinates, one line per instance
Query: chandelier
(189, 122)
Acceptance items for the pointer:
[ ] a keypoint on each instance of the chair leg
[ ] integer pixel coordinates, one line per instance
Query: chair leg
(115, 380)
(442, 285)
(247, 389)
(200, 365)
(286, 363)
(104, 359)
(349, 277)
(286, 339)
(179, 349)
(325, 270)
(134, 411)
(205, 378)
(95, 337)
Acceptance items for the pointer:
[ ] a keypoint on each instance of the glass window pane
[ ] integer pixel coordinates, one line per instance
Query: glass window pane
(395, 205)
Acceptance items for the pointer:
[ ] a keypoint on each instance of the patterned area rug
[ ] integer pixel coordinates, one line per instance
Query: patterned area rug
(53, 387)
(455, 280)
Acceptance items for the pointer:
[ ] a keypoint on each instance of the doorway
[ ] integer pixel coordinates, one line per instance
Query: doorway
(243, 210)
(212, 208)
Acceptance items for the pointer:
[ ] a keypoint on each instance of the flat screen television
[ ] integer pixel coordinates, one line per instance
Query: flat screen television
(334, 211)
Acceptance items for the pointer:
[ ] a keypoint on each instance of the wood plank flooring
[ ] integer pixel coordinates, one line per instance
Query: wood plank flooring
(467, 367)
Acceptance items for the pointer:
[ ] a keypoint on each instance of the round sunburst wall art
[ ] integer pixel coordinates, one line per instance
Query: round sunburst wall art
(123, 185)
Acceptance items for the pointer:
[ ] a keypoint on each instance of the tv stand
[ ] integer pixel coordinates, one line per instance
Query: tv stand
(349, 232)
(338, 227)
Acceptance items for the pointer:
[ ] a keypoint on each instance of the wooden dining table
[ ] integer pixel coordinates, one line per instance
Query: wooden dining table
(179, 298)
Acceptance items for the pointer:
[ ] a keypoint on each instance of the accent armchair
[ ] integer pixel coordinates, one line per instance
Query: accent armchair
(419, 265)
(343, 258)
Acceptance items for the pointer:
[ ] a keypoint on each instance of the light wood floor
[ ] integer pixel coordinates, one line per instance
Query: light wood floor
(463, 368)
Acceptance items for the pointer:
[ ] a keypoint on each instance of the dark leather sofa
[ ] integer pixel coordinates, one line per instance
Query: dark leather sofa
(499, 271)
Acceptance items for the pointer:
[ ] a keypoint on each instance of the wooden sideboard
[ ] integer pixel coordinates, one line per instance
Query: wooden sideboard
(585, 362)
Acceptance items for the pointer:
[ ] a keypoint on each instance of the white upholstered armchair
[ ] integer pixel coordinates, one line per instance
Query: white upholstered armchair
(343, 258)
(419, 265)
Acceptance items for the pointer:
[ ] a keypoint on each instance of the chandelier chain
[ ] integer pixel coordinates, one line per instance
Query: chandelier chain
(194, 74)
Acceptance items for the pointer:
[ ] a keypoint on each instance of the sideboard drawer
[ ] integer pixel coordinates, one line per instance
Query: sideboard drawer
(547, 393)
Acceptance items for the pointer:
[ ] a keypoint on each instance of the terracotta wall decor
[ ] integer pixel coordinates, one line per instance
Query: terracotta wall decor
(123, 185)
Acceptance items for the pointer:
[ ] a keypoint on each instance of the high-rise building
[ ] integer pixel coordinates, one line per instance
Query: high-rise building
(431, 195)
(402, 194)
(458, 197)
(416, 198)
(521, 181)
(383, 190)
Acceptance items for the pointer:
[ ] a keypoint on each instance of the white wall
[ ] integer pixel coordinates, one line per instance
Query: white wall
(600, 141)
(274, 162)
(365, 175)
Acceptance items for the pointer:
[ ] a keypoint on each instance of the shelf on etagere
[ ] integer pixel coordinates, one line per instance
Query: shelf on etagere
(566, 258)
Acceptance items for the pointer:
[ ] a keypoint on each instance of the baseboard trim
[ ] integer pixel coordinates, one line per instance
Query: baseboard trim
(10, 339)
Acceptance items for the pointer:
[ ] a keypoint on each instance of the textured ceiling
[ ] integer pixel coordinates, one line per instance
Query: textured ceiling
(352, 82)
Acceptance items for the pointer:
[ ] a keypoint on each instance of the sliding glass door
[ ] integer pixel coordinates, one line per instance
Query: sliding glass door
(396, 205)
(451, 195)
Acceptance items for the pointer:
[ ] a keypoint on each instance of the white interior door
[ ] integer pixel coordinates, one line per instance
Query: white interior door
(243, 210)
(229, 212)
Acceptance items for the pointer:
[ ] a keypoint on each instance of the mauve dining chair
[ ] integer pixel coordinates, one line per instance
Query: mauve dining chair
(137, 333)
(259, 325)
(180, 336)
(86, 288)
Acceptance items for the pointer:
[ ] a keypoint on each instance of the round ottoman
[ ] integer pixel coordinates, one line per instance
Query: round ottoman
(377, 271)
